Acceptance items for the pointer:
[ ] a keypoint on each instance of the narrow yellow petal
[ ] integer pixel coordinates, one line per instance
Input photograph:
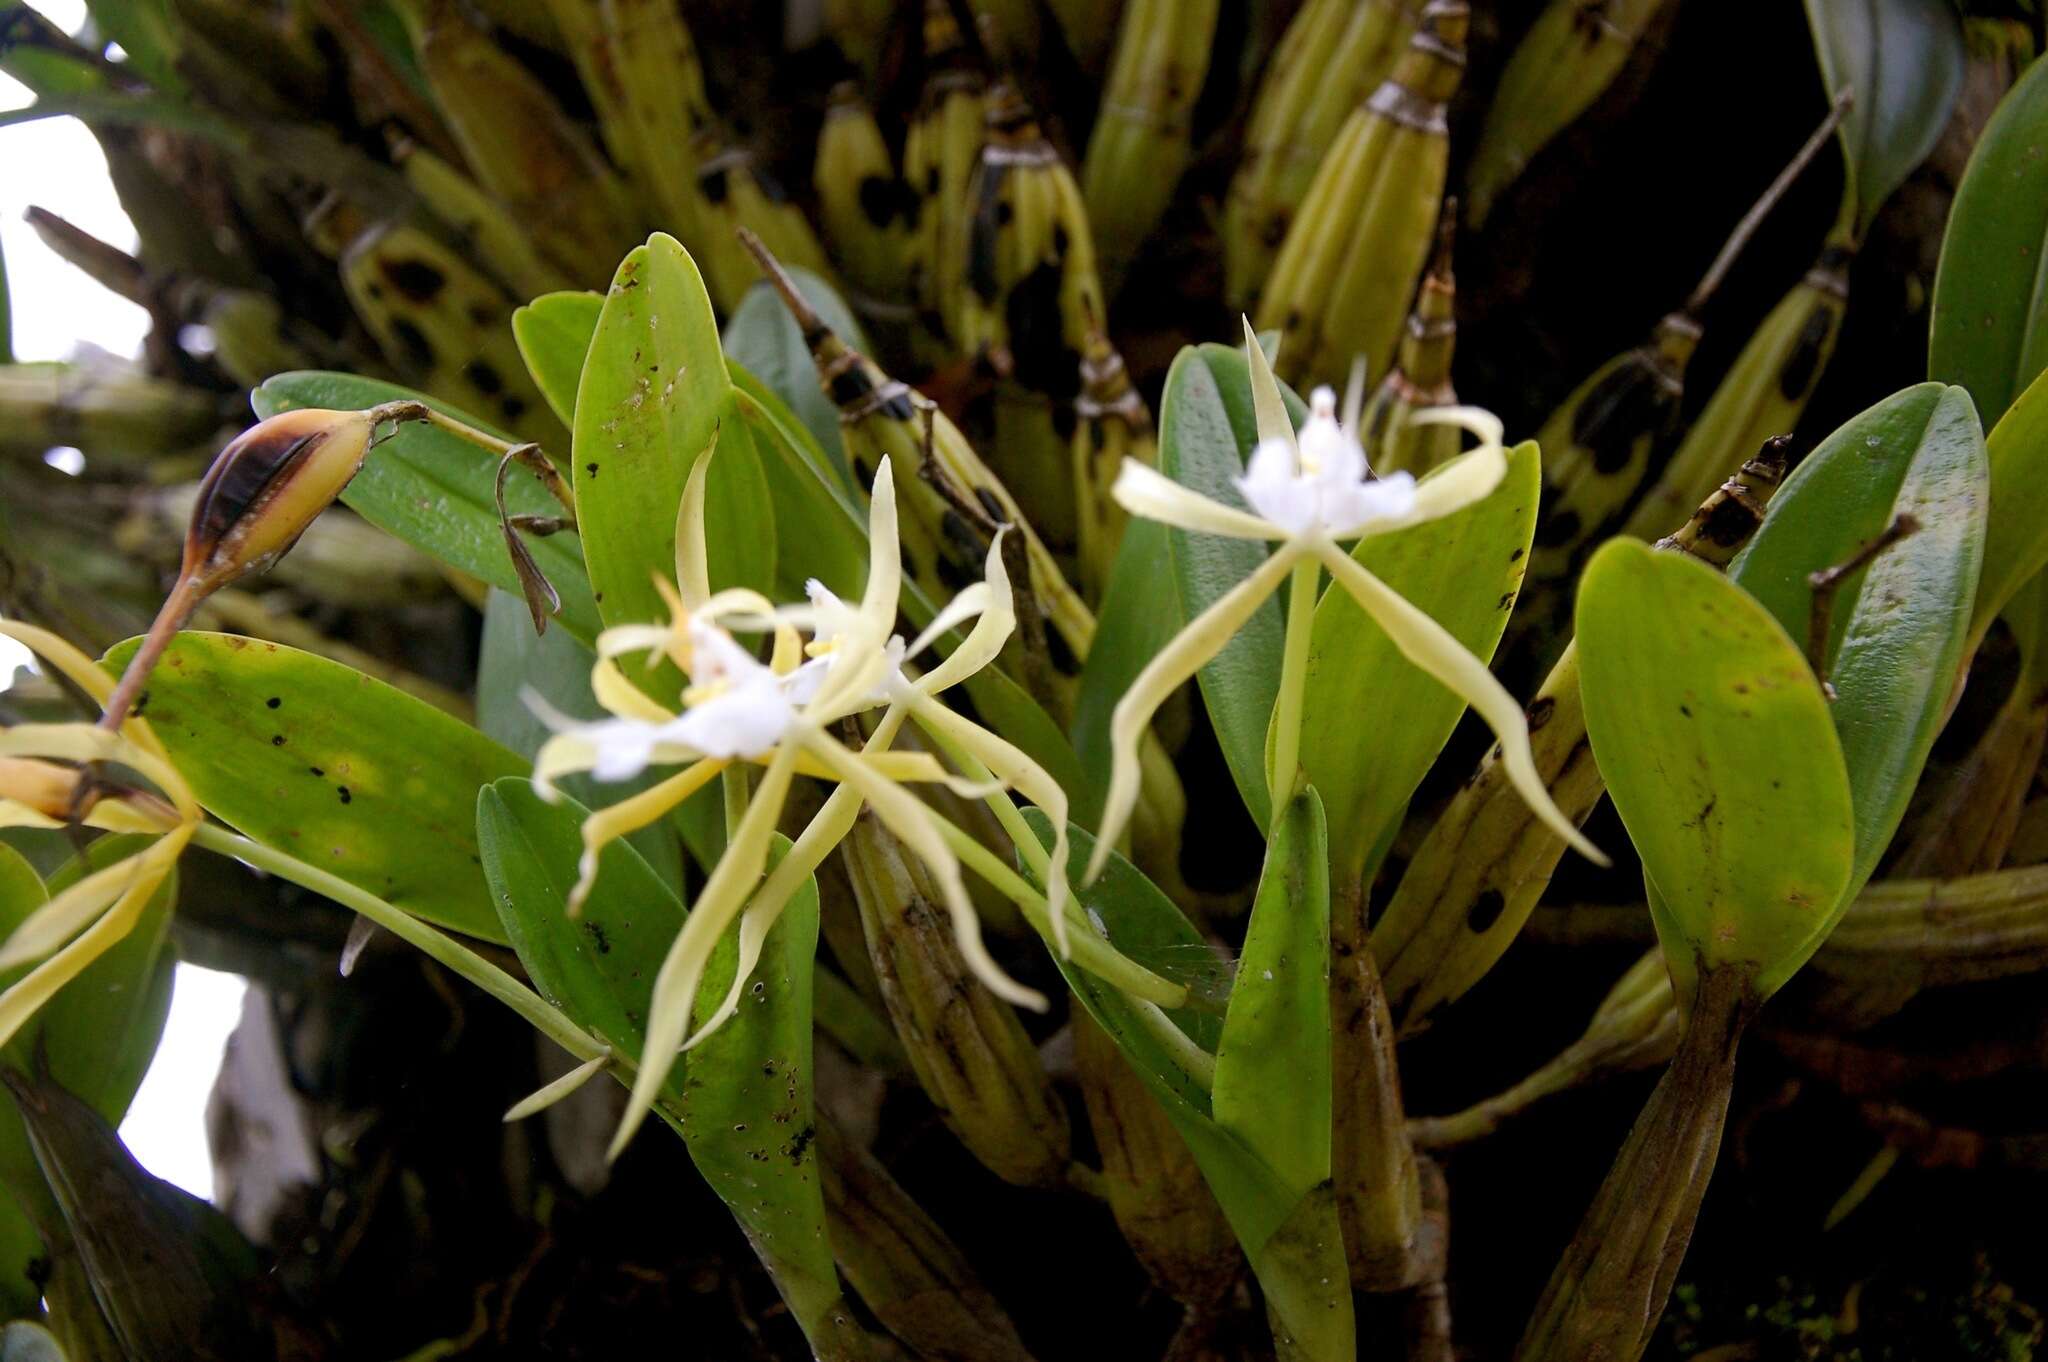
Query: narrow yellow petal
(1470, 477)
(543, 1098)
(1147, 492)
(67, 914)
(885, 555)
(605, 826)
(914, 826)
(1429, 646)
(565, 754)
(82, 742)
(621, 696)
(86, 674)
(1268, 406)
(693, 561)
(991, 629)
(22, 1001)
(682, 970)
(1019, 772)
(1205, 636)
(827, 828)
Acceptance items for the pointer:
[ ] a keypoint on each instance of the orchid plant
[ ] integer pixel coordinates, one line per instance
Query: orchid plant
(780, 715)
(1309, 492)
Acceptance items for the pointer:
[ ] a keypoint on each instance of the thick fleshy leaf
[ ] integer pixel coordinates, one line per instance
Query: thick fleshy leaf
(2016, 540)
(741, 1099)
(1206, 432)
(436, 492)
(513, 661)
(654, 398)
(819, 530)
(1719, 753)
(1990, 326)
(1293, 1242)
(1272, 1087)
(1902, 60)
(1372, 720)
(598, 967)
(335, 767)
(554, 332)
(1130, 629)
(1898, 629)
(765, 339)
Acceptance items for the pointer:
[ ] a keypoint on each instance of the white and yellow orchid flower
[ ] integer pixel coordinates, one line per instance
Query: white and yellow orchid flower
(44, 783)
(780, 714)
(1308, 493)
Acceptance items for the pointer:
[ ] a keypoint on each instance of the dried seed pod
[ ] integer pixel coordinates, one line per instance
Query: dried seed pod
(1334, 53)
(1486, 860)
(966, 1045)
(1341, 283)
(262, 492)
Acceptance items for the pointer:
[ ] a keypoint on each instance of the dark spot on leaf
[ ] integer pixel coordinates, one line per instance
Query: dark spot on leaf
(342, 790)
(1486, 910)
(277, 740)
(274, 701)
(316, 770)
(1540, 710)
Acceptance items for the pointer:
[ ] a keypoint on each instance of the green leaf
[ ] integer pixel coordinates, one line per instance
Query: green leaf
(1272, 1087)
(1130, 629)
(553, 332)
(436, 491)
(597, 968)
(744, 1094)
(2016, 540)
(1206, 431)
(1990, 295)
(1720, 756)
(819, 530)
(653, 398)
(764, 339)
(1902, 61)
(747, 1111)
(335, 767)
(1293, 1241)
(1897, 632)
(1375, 720)
(513, 661)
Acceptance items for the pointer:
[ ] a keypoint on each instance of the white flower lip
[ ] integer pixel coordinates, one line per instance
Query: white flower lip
(1320, 481)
